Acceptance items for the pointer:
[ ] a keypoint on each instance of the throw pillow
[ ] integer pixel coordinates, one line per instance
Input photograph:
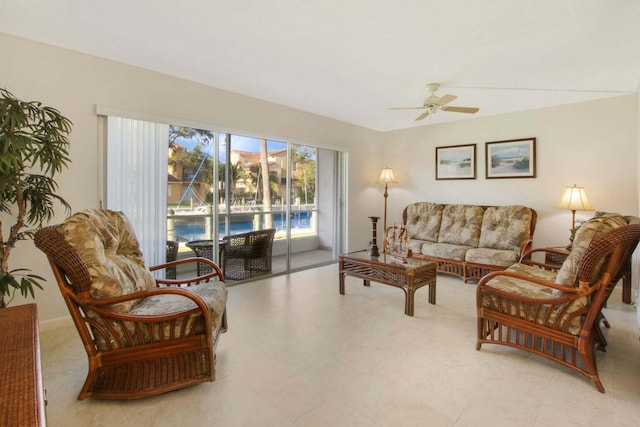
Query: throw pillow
(107, 244)
(567, 275)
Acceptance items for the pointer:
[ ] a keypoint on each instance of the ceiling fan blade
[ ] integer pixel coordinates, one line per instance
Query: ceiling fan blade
(469, 110)
(405, 108)
(422, 116)
(446, 99)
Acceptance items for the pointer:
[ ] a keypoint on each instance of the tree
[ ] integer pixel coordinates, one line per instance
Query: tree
(34, 148)
(303, 158)
(194, 164)
(266, 192)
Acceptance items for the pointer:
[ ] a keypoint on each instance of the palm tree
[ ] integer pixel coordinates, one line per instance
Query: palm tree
(266, 191)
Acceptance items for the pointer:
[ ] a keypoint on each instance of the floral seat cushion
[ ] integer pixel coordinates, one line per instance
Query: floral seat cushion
(544, 311)
(444, 250)
(214, 295)
(501, 257)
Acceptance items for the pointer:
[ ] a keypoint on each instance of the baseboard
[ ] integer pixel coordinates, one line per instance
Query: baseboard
(60, 322)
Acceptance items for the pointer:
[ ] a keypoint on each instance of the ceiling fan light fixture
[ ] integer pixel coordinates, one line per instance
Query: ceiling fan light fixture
(433, 103)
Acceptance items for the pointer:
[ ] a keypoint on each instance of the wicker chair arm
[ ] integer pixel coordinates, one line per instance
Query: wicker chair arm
(113, 330)
(570, 291)
(525, 249)
(98, 304)
(216, 273)
(527, 258)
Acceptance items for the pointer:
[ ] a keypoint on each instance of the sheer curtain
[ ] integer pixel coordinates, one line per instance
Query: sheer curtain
(136, 180)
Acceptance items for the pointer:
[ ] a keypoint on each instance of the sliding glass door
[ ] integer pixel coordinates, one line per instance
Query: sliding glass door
(222, 184)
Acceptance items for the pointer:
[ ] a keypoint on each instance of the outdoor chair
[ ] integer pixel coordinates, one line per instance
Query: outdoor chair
(247, 255)
(172, 255)
(143, 336)
(556, 313)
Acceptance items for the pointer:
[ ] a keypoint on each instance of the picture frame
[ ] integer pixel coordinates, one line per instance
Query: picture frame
(514, 158)
(456, 162)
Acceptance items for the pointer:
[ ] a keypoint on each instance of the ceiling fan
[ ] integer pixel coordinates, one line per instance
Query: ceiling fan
(433, 103)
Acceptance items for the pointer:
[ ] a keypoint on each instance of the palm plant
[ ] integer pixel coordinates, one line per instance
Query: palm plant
(33, 150)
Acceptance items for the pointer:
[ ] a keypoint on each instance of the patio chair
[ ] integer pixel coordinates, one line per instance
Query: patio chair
(172, 255)
(143, 336)
(556, 314)
(247, 255)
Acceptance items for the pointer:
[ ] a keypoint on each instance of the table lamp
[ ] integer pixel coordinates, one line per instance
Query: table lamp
(574, 198)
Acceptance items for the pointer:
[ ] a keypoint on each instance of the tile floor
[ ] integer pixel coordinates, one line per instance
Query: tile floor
(299, 354)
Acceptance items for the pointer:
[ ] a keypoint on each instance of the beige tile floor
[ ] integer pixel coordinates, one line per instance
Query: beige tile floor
(299, 354)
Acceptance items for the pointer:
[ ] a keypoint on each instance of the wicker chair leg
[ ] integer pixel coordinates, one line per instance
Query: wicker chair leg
(589, 359)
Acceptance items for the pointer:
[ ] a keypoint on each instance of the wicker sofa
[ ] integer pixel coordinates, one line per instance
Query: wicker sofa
(469, 241)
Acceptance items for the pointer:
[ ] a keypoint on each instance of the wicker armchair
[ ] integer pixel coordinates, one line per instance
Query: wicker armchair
(247, 255)
(172, 255)
(556, 314)
(142, 336)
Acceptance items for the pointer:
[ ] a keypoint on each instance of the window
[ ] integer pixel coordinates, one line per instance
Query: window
(216, 184)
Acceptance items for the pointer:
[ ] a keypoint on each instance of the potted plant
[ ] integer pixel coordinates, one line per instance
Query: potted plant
(33, 150)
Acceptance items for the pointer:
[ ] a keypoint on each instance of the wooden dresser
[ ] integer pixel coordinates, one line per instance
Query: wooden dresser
(21, 393)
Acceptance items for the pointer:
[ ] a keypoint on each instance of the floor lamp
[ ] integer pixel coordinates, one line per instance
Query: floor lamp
(386, 178)
(574, 199)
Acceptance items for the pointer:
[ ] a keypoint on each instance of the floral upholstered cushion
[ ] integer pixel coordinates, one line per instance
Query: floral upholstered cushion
(115, 335)
(107, 244)
(501, 257)
(523, 287)
(505, 227)
(423, 221)
(544, 312)
(444, 250)
(461, 225)
(589, 230)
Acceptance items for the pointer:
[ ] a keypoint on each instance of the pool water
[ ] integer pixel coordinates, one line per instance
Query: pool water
(194, 229)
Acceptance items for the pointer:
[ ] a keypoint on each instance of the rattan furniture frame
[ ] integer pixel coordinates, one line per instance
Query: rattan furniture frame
(468, 270)
(247, 255)
(22, 395)
(172, 255)
(385, 269)
(542, 326)
(140, 363)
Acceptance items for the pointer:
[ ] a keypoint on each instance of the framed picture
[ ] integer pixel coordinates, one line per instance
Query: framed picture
(456, 162)
(514, 158)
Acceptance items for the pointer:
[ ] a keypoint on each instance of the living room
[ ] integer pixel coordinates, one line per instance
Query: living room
(592, 143)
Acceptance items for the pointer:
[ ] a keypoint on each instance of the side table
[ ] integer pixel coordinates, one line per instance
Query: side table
(21, 391)
(558, 256)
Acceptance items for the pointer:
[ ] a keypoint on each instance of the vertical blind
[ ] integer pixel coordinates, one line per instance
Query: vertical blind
(136, 180)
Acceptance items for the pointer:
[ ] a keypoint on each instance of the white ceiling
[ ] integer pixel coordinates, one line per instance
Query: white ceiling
(352, 59)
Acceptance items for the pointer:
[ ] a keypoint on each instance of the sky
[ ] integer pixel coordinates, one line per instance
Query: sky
(239, 143)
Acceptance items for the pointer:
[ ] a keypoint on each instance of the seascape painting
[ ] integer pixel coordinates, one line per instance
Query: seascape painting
(456, 162)
(511, 159)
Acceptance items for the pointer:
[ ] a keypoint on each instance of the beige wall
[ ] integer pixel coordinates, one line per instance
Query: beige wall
(75, 83)
(593, 144)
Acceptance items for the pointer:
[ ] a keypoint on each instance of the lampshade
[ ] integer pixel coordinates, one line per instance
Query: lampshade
(386, 177)
(574, 198)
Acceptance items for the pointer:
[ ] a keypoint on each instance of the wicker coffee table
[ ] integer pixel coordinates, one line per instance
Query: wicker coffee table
(384, 269)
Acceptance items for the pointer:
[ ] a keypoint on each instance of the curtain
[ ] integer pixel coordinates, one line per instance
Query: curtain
(136, 180)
